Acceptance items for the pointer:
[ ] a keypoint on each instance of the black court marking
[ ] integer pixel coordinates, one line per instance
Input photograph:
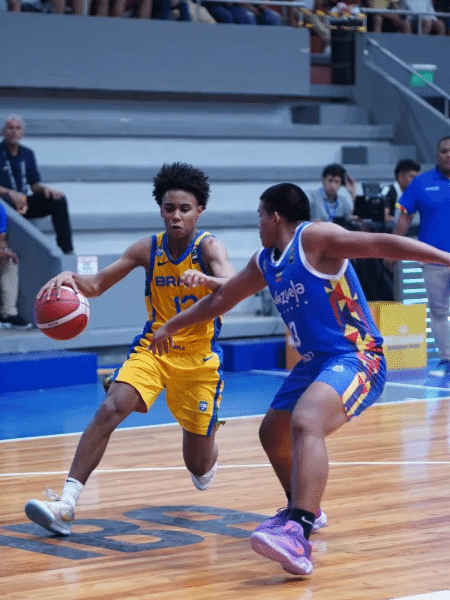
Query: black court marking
(223, 522)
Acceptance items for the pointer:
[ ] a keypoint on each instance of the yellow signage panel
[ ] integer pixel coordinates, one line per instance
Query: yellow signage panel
(403, 328)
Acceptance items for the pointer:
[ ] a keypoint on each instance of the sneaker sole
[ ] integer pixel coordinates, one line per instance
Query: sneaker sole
(204, 486)
(37, 513)
(200, 486)
(263, 546)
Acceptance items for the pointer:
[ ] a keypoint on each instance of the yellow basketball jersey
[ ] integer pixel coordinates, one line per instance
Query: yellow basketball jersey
(165, 296)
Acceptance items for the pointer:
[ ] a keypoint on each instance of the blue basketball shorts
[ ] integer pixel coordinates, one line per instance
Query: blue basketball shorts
(357, 377)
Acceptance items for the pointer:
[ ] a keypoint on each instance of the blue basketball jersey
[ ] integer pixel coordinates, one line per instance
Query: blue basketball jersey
(326, 315)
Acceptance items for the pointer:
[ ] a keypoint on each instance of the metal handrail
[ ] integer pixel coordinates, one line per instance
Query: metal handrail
(432, 85)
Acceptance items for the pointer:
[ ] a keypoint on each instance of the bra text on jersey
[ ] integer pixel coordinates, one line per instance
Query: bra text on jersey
(169, 281)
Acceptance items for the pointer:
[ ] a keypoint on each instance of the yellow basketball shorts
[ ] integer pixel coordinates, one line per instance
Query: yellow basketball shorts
(193, 384)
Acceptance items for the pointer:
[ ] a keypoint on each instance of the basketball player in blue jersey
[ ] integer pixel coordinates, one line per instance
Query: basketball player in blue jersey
(341, 369)
(191, 375)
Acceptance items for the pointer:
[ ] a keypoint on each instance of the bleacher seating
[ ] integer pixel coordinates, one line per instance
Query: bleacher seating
(105, 160)
(102, 145)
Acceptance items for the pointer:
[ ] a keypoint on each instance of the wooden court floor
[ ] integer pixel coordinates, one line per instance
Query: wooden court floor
(143, 531)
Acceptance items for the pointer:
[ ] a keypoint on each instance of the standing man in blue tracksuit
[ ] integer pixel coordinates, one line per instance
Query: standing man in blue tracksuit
(429, 194)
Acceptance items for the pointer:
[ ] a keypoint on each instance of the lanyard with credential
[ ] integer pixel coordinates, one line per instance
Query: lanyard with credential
(331, 213)
(23, 174)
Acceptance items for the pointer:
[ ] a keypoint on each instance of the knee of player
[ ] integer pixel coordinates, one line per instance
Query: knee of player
(112, 411)
(304, 421)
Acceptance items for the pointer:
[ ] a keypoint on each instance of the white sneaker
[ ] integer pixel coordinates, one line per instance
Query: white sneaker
(54, 515)
(320, 520)
(202, 482)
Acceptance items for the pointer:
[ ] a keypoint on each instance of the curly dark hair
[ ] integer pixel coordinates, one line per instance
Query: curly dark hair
(181, 176)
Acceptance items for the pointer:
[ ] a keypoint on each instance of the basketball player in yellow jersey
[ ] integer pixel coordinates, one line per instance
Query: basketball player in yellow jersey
(191, 374)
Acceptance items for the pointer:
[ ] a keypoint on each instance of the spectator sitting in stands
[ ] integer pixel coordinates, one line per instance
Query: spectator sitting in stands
(398, 22)
(19, 173)
(153, 9)
(9, 280)
(405, 171)
(198, 13)
(314, 16)
(334, 200)
(96, 8)
(240, 14)
(58, 7)
(443, 6)
(430, 23)
(263, 15)
(142, 9)
(14, 5)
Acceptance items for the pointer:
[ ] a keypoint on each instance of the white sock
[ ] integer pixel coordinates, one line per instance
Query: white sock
(71, 491)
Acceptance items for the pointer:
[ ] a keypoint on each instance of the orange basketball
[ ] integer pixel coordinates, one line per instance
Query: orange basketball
(62, 318)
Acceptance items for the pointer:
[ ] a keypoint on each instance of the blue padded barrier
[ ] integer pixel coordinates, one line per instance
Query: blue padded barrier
(248, 354)
(42, 370)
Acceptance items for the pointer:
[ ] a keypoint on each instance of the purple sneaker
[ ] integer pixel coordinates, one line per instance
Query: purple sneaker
(287, 545)
(278, 520)
(282, 517)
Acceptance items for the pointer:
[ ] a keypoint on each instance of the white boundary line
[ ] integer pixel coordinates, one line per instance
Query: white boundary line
(122, 429)
(444, 595)
(384, 463)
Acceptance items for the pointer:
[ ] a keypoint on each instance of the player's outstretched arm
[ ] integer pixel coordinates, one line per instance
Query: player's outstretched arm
(242, 285)
(332, 242)
(94, 285)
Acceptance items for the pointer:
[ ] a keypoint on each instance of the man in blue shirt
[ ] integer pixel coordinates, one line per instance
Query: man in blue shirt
(19, 174)
(429, 194)
(9, 280)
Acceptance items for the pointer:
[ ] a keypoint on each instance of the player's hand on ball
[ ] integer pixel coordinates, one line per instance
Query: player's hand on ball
(161, 342)
(64, 278)
(62, 316)
(193, 278)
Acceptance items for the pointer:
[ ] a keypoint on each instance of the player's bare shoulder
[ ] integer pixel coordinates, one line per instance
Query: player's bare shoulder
(319, 235)
(212, 245)
(212, 248)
